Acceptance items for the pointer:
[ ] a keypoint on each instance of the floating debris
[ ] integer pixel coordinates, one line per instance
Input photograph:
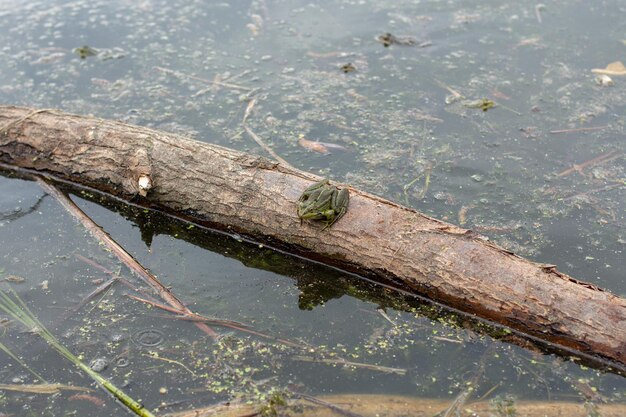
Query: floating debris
(614, 68)
(346, 68)
(103, 54)
(41, 388)
(13, 278)
(122, 362)
(534, 41)
(388, 39)
(99, 364)
(604, 80)
(484, 104)
(319, 147)
(98, 402)
(117, 337)
(85, 51)
(313, 146)
(538, 9)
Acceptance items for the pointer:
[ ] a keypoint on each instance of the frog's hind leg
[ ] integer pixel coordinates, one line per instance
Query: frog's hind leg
(337, 217)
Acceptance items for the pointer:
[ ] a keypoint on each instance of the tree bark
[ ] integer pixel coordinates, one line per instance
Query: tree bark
(377, 238)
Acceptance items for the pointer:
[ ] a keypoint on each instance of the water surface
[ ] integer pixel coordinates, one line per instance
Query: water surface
(409, 134)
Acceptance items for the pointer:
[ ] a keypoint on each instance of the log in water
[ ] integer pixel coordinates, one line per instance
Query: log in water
(377, 238)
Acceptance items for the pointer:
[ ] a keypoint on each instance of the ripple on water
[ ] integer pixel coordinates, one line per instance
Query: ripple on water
(148, 337)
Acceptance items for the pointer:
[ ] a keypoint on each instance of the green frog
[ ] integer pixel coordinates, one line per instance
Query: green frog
(322, 201)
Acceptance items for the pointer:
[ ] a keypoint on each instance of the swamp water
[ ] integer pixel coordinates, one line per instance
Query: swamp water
(403, 121)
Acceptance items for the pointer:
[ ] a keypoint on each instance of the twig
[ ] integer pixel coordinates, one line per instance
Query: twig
(538, 8)
(204, 80)
(509, 109)
(156, 356)
(426, 172)
(105, 292)
(188, 316)
(42, 388)
(326, 404)
(17, 214)
(606, 157)
(597, 190)
(94, 264)
(579, 129)
(257, 139)
(385, 316)
(455, 93)
(121, 254)
(489, 392)
(111, 273)
(463, 213)
(385, 369)
(460, 400)
(241, 74)
(103, 287)
(217, 322)
(447, 339)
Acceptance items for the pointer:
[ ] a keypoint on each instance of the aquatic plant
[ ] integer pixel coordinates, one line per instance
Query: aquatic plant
(14, 306)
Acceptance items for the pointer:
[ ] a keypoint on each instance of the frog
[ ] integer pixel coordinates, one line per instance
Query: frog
(85, 51)
(323, 201)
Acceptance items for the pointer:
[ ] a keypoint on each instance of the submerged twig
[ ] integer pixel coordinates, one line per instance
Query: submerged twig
(459, 401)
(385, 316)
(156, 356)
(101, 288)
(326, 404)
(447, 339)
(121, 254)
(385, 369)
(596, 190)
(217, 322)
(455, 93)
(509, 109)
(204, 80)
(579, 129)
(426, 173)
(189, 316)
(18, 213)
(606, 157)
(41, 388)
(463, 213)
(538, 9)
(257, 139)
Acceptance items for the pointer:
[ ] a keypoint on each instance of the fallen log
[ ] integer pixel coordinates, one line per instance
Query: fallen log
(376, 238)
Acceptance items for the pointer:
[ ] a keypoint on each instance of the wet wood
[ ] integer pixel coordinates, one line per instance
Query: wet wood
(377, 238)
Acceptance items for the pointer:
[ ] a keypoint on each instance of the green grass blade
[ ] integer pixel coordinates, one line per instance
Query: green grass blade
(20, 312)
(21, 362)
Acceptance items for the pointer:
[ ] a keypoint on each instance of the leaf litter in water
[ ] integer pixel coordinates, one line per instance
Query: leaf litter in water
(320, 147)
(614, 68)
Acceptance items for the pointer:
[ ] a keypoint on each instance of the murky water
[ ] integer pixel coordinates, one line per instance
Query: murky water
(403, 126)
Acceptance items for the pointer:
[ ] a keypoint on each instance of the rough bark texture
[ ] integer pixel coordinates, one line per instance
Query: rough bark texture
(376, 237)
